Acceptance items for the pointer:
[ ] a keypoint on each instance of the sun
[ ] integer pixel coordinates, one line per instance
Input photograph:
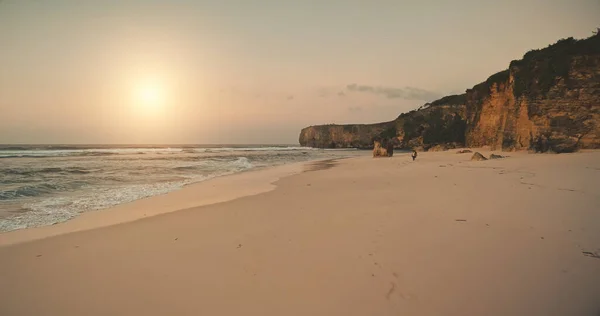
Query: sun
(150, 94)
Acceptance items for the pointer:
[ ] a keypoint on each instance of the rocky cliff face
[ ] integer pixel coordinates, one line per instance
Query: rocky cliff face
(547, 101)
(435, 126)
(438, 124)
(344, 136)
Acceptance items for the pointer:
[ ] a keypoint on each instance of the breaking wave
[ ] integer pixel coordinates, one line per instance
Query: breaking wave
(62, 182)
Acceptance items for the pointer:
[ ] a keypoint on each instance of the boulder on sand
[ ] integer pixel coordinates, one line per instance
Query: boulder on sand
(478, 157)
(494, 156)
(464, 151)
(380, 151)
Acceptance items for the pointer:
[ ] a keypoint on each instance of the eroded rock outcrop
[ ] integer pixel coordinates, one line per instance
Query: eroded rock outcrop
(379, 150)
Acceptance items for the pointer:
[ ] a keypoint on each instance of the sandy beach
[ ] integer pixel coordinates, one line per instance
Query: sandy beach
(439, 236)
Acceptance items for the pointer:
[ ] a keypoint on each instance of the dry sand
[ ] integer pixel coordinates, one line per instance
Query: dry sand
(439, 236)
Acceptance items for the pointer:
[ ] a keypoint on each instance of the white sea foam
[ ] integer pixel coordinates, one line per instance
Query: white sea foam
(229, 149)
(47, 190)
(89, 151)
(58, 209)
(129, 151)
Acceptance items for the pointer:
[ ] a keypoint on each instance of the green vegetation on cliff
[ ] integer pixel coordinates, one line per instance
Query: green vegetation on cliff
(439, 124)
(550, 64)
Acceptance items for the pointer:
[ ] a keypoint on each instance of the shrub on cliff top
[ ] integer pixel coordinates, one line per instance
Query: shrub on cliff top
(456, 99)
(497, 78)
(549, 64)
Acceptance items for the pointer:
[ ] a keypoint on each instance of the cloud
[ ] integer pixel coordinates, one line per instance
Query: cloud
(407, 93)
(323, 92)
(291, 97)
(355, 109)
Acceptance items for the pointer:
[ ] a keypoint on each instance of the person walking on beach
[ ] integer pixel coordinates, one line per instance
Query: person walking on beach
(414, 155)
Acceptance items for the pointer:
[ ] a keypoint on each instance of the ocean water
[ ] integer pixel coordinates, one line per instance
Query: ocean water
(44, 185)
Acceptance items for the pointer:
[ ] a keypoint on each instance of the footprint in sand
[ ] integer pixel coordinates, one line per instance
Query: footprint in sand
(591, 254)
(390, 291)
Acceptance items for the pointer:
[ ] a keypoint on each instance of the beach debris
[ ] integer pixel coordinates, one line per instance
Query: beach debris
(478, 157)
(541, 237)
(176, 238)
(591, 254)
(464, 151)
(460, 220)
(494, 156)
(38, 256)
(239, 246)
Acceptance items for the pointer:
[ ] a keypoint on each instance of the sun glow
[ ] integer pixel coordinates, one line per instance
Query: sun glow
(150, 95)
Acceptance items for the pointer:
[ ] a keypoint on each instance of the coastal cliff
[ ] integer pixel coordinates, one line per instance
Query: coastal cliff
(438, 123)
(343, 136)
(547, 101)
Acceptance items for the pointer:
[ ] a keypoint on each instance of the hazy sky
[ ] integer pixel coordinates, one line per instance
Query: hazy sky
(251, 71)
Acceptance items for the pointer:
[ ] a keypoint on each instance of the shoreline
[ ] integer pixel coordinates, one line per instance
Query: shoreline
(215, 190)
